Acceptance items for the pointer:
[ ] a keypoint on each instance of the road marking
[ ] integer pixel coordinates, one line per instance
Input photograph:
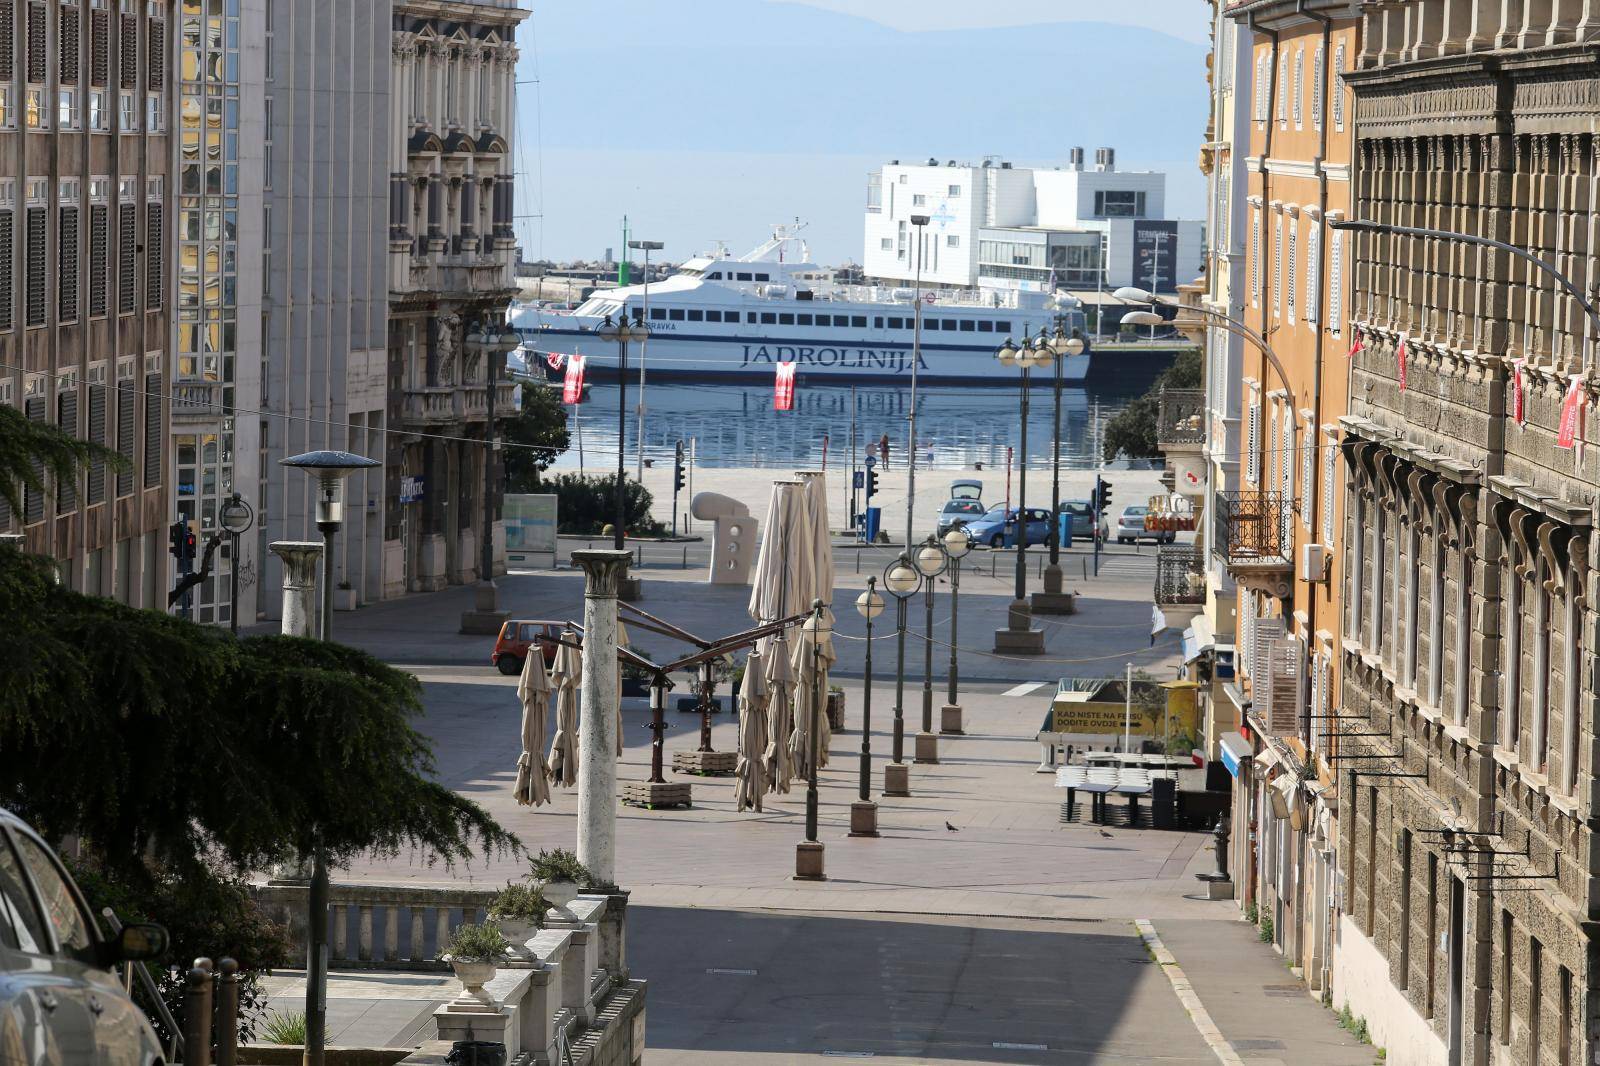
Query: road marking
(1225, 1052)
(1006, 1046)
(735, 973)
(1023, 690)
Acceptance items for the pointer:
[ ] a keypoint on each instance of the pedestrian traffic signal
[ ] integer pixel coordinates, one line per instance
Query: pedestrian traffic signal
(678, 479)
(872, 482)
(181, 543)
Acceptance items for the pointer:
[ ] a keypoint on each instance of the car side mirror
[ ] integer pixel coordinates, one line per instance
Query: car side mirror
(140, 942)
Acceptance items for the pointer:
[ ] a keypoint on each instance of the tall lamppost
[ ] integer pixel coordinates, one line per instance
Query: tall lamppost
(329, 468)
(920, 224)
(494, 342)
(1019, 635)
(901, 579)
(864, 812)
(624, 333)
(930, 561)
(646, 247)
(808, 858)
(956, 545)
(235, 517)
(1052, 600)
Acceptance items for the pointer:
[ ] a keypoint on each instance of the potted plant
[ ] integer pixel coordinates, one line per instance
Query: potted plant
(344, 597)
(519, 909)
(475, 953)
(836, 708)
(561, 876)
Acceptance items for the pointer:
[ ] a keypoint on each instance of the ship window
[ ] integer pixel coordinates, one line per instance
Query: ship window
(985, 326)
(763, 277)
(930, 323)
(785, 319)
(768, 318)
(897, 323)
(714, 277)
(743, 275)
(967, 325)
(877, 322)
(947, 323)
(696, 315)
(829, 320)
(713, 316)
(802, 320)
(858, 321)
(658, 314)
(750, 317)
(1002, 327)
(676, 314)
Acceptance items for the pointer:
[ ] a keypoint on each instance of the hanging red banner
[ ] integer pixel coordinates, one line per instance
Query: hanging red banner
(783, 388)
(554, 360)
(1571, 414)
(1355, 346)
(1400, 357)
(1519, 410)
(572, 384)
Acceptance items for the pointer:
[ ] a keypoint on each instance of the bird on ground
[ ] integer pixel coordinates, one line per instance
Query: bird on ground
(952, 828)
(1105, 834)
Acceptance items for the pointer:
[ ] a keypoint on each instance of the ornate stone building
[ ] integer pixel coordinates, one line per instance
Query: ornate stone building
(452, 256)
(1467, 778)
(85, 300)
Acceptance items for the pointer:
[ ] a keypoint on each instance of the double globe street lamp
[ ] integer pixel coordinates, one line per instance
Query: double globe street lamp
(901, 579)
(1019, 635)
(627, 331)
(931, 561)
(1052, 600)
(956, 545)
(864, 812)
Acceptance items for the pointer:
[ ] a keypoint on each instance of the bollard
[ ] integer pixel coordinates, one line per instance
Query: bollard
(858, 560)
(197, 1015)
(1085, 561)
(685, 558)
(226, 1026)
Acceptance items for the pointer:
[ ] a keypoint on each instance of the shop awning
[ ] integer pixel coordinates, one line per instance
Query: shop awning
(1235, 750)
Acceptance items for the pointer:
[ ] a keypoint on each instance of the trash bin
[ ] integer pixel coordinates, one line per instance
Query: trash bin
(1064, 529)
(477, 1053)
(1163, 803)
(870, 524)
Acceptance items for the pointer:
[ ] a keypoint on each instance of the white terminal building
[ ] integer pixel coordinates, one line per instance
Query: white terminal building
(992, 225)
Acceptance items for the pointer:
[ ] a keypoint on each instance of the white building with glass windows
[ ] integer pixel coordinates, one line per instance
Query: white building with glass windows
(992, 225)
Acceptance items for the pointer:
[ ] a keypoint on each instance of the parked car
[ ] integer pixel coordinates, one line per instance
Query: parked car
(1083, 523)
(997, 527)
(516, 637)
(59, 1001)
(1131, 530)
(958, 513)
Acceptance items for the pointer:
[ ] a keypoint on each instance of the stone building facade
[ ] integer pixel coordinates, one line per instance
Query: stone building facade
(85, 302)
(451, 262)
(1467, 773)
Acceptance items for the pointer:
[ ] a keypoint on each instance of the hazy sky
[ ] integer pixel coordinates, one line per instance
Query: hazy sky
(1187, 19)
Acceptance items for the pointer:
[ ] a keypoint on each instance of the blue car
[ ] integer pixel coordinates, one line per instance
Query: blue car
(998, 527)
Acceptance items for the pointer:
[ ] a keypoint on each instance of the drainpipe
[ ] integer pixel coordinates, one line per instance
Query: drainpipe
(1264, 289)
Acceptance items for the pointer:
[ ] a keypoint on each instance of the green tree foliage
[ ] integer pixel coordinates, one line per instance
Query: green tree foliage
(586, 505)
(32, 451)
(540, 427)
(1132, 431)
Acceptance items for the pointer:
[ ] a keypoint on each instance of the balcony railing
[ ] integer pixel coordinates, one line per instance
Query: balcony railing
(1256, 529)
(1180, 576)
(1182, 419)
(432, 406)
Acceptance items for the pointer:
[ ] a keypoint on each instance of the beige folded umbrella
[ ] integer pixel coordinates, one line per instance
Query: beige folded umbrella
(811, 682)
(751, 770)
(533, 689)
(564, 679)
(780, 721)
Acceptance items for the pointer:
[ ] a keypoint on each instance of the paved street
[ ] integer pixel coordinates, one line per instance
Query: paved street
(977, 928)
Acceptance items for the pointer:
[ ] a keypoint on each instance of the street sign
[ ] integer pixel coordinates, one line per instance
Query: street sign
(872, 461)
(858, 478)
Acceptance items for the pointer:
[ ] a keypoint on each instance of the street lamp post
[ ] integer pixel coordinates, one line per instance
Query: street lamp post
(1019, 635)
(864, 812)
(493, 341)
(646, 247)
(956, 545)
(920, 224)
(330, 468)
(1052, 600)
(930, 561)
(901, 579)
(624, 333)
(809, 856)
(236, 517)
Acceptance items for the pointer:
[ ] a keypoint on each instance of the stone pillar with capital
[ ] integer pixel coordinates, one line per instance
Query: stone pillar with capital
(604, 571)
(301, 564)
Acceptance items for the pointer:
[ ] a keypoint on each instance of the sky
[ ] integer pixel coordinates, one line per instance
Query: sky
(712, 120)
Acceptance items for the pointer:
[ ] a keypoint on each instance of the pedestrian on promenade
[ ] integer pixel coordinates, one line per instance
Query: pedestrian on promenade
(883, 450)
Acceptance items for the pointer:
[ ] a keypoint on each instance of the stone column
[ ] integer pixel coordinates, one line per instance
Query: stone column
(604, 570)
(301, 563)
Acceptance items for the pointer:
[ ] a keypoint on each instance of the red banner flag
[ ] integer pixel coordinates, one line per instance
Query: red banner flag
(554, 360)
(1519, 409)
(1571, 414)
(1400, 357)
(572, 384)
(1355, 346)
(783, 389)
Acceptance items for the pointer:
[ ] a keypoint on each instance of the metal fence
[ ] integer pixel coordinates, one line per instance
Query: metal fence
(1182, 417)
(1181, 575)
(1255, 526)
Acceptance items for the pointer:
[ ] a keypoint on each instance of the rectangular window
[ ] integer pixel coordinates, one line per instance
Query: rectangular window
(858, 321)
(67, 263)
(67, 422)
(127, 234)
(155, 76)
(1338, 87)
(155, 112)
(155, 260)
(1263, 73)
(38, 33)
(967, 325)
(675, 314)
(36, 112)
(1252, 446)
(1277, 266)
(1292, 264)
(126, 406)
(8, 211)
(99, 111)
(34, 278)
(34, 409)
(1336, 282)
(1433, 929)
(1330, 473)
(658, 314)
(97, 432)
(1308, 473)
(785, 318)
(1316, 89)
(128, 112)
(1115, 203)
(68, 43)
(953, 191)
(1283, 91)
(696, 315)
(768, 318)
(896, 323)
(1404, 980)
(952, 241)
(1535, 993)
(1255, 257)
(67, 109)
(802, 320)
(8, 44)
(99, 36)
(886, 244)
(129, 59)
(1506, 970)
(1511, 650)
(1313, 269)
(152, 430)
(1564, 1036)
(1300, 89)
(918, 200)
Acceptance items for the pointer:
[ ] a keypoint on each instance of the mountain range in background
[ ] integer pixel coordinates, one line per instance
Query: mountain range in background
(707, 119)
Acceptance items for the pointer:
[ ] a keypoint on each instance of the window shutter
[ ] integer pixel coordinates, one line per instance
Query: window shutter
(127, 232)
(1255, 257)
(1313, 269)
(37, 62)
(1292, 263)
(32, 499)
(7, 219)
(8, 42)
(1252, 471)
(154, 260)
(67, 422)
(1283, 90)
(67, 264)
(99, 267)
(99, 48)
(1316, 89)
(67, 43)
(97, 435)
(127, 400)
(1300, 89)
(129, 66)
(1286, 484)
(1284, 672)
(155, 76)
(1330, 470)
(1338, 87)
(1277, 267)
(1336, 282)
(152, 430)
(35, 278)
(1308, 472)
(1264, 632)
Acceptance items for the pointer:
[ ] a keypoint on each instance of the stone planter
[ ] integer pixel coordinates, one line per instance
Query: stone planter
(473, 975)
(836, 711)
(344, 599)
(519, 931)
(559, 893)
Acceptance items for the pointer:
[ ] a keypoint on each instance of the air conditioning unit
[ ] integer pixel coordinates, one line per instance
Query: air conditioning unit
(1314, 560)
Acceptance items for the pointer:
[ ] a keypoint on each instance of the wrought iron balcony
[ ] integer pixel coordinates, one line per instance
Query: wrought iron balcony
(1180, 576)
(1256, 533)
(1182, 418)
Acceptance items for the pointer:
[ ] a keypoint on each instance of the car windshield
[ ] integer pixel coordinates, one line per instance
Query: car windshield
(1133, 512)
(995, 512)
(963, 507)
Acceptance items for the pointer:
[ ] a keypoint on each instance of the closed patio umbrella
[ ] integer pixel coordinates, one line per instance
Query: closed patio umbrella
(780, 720)
(751, 770)
(533, 690)
(564, 677)
(775, 585)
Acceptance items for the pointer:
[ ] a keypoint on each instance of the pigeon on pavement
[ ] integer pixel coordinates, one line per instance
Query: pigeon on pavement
(952, 828)
(1105, 834)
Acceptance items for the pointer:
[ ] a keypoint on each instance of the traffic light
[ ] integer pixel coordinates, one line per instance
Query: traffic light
(678, 479)
(181, 544)
(1103, 499)
(872, 482)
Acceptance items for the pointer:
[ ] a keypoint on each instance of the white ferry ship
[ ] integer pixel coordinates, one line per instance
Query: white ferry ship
(721, 316)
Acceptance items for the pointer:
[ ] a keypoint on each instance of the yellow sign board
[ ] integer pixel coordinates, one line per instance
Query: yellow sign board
(1093, 718)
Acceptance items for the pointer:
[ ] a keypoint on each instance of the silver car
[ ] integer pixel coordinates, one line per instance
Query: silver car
(60, 1004)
